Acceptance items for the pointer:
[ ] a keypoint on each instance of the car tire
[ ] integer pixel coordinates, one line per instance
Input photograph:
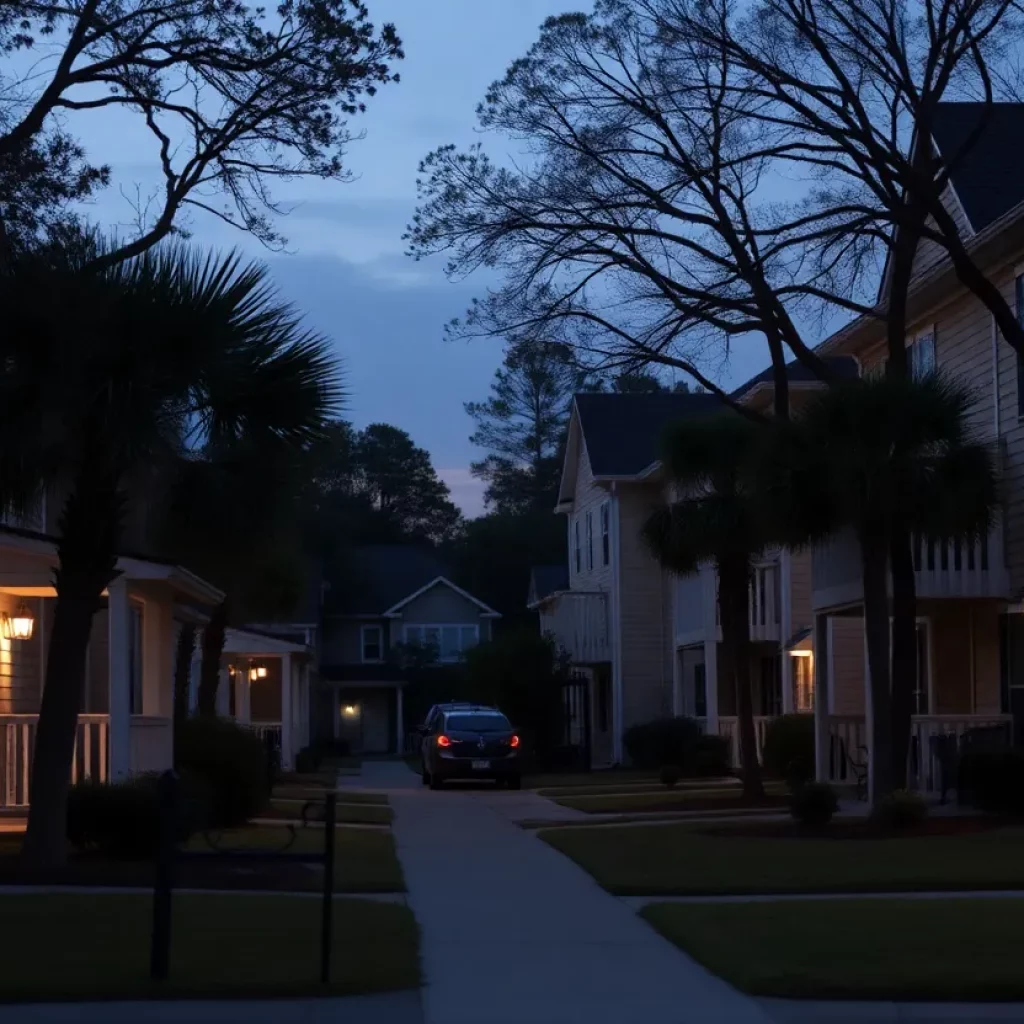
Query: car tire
(435, 782)
(514, 782)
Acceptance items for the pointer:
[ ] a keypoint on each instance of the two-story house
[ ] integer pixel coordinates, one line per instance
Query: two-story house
(398, 595)
(970, 630)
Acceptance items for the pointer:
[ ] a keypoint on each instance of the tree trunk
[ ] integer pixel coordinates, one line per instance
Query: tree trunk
(874, 561)
(183, 672)
(733, 591)
(87, 559)
(904, 647)
(213, 650)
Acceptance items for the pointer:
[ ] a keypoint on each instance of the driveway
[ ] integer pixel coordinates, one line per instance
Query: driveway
(514, 932)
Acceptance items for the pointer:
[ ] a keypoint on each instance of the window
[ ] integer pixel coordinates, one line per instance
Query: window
(449, 641)
(921, 354)
(577, 554)
(135, 658)
(803, 682)
(605, 533)
(590, 540)
(372, 643)
(1019, 298)
(700, 691)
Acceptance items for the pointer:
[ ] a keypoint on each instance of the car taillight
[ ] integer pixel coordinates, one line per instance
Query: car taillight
(443, 741)
(514, 742)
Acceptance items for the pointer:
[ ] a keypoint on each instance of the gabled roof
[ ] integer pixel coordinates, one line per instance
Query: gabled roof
(546, 580)
(624, 432)
(988, 179)
(844, 367)
(381, 578)
(486, 610)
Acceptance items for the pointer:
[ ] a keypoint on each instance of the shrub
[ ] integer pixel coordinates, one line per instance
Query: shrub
(662, 741)
(231, 761)
(670, 775)
(992, 780)
(123, 819)
(789, 749)
(332, 748)
(308, 760)
(901, 809)
(814, 804)
(711, 758)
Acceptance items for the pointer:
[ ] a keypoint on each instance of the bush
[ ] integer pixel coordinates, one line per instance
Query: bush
(789, 749)
(231, 761)
(992, 780)
(122, 819)
(670, 775)
(332, 748)
(901, 809)
(712, 758)
(308, 760)
(662, 741)
(814, 804)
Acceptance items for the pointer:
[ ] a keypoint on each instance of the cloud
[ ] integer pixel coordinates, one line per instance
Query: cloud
(467, 491)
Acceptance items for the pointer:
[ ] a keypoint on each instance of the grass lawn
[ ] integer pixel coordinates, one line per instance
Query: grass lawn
(605, 777)
(857, 949)
(681, 860)
(365, 861)
(646, 786)
(348, 813)
(84, 946)
(667, 800)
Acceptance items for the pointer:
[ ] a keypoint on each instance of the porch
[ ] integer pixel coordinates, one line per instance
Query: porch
(126, 726)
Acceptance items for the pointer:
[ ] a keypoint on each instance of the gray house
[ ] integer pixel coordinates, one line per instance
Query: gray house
(398, 594)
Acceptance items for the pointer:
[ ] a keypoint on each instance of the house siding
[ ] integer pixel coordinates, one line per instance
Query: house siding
(801, 615)
(930, 253)
(1012, 430)
(441, 605)
(589, 497)
(645, 614)
(847, 665)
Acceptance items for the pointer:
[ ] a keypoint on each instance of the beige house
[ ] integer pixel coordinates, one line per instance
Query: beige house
(126, 725)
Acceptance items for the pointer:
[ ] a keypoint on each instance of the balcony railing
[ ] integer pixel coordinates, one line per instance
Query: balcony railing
(728, 726)
(943, 569)
(579, 625)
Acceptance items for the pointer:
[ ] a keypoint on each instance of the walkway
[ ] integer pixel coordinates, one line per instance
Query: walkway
(514, 932)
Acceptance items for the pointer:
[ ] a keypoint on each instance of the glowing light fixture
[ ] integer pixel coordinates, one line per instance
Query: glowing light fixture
(261, 671)
(18, 626)
(801, 654)
(349, 711)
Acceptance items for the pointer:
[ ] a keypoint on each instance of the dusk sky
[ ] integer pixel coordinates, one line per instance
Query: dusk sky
(346, 267)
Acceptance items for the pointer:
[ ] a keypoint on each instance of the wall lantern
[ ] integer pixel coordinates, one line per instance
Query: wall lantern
(349, 710)
(18, 626)
(232, 671)
(261, 671)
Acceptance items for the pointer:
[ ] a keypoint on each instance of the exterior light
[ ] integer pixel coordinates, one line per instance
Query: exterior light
(18, 626)
(232, 671)
(349, 711)
(801, 654)
(261, 671)
(253, 675)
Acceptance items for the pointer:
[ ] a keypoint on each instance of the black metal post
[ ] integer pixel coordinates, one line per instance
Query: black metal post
(330, 816)
(163, 885)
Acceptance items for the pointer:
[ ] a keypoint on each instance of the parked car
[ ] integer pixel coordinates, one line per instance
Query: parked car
(463, 741)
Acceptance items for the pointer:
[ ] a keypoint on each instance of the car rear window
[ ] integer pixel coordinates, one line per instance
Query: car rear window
(478, 723)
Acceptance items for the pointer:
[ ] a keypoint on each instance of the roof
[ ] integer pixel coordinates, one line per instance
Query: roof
(987, 179)
(844, 367)
(546, 580)
(384, 577)
(625, 433)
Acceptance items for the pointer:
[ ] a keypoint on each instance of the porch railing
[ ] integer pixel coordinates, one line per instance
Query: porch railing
(728, 727)
(848, 741)
(265, 729)
(17, 745)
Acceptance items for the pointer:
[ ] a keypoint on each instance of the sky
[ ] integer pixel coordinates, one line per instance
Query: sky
(345, 266)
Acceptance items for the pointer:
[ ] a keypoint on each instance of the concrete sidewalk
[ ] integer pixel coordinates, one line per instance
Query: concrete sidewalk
(792, 1011)
(514, 932)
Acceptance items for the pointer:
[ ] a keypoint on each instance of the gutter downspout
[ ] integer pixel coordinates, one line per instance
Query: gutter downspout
(616, 627)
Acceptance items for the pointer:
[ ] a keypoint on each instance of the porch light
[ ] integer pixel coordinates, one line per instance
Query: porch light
(253, 676)
(349, 711)
(801, 654)
(232, 671)
(261, 671)
(18, 626)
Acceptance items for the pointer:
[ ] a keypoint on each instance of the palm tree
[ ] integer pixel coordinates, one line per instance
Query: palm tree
(717, 516)
(105, 376)
(857, 454)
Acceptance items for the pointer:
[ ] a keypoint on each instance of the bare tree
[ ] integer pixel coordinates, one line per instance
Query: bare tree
(232, 97)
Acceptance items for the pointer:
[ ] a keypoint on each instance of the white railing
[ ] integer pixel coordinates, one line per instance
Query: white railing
(848, 746)
(765, 601)
(729, 728)
(17, 743)
(265, 729)
(579, 624)
(943, 569)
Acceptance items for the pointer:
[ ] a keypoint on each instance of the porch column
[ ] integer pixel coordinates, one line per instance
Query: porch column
(710, 577)
(822, 686)
(242, 702)
(120, 681)
(786, 628)
(286, 712)
(223, 697)
(678, 706)
(399, 722)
